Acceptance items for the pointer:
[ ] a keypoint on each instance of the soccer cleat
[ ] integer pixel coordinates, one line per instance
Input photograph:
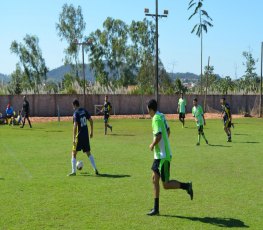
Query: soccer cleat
(97, 172)
(190, 190)
(72, 174)
(153, 212)
(206, 141)
(197, 144)
(229, 140)
(111, 128)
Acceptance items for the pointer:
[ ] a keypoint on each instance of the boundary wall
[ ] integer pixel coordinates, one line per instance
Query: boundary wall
(47, 105)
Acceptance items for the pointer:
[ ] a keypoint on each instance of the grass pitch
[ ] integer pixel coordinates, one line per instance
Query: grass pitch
(35, 192)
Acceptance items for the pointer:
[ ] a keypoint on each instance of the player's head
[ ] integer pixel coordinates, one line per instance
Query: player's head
(106, 98)
(195, 101)
(8, 106)
(24, 98)
(182, 95)
(222, 101)
(152, 107)
(75, 103)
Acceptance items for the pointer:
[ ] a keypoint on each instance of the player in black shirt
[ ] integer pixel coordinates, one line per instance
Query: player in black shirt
(106, 109)
(81, 136)
(25, 112)
(227, 118)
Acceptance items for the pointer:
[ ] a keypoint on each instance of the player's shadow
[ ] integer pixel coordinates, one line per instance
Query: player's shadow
(217, 221)
(249, 142)
(2, 178)
(124, 135)
(106, 175)
(241, 134)
(225, 146)
(113, 175)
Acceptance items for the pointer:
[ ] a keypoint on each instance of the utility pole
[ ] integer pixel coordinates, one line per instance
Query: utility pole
(156, 16)
(260, 99)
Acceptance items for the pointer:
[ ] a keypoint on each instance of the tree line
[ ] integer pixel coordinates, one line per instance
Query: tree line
(120, 55)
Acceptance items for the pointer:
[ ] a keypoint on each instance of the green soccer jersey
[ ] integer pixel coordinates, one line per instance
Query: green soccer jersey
(159, 125)
(182, 104)
(197, 112)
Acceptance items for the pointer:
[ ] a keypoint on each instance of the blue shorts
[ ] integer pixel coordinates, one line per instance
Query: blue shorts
(106, 118)
(82, 144)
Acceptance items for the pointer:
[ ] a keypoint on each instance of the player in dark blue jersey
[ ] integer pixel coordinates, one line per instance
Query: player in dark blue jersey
(106, 109)
(81, 136)
(227, 118)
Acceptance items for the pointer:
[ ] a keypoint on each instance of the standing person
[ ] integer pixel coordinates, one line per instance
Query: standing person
(9, 113)
(26, 111)
(198, 114)
(227, 118)
(106, 109)
(181, 109)
(162, 158)
(81, 136)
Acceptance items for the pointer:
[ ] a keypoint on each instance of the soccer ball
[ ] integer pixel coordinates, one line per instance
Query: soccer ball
(79, 165)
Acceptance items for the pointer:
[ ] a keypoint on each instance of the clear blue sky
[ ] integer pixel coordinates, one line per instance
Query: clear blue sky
(237, 28)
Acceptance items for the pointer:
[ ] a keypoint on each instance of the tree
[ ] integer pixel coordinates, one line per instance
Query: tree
(209, 78)
(224, 85)
(15, 86)
(31, 59)
(251, 79)
(202, 25)
(70, 27)
(179, 87)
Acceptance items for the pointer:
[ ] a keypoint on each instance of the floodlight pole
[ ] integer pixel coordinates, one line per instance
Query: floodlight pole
(82, 44)
(156, 16)
(260, 103)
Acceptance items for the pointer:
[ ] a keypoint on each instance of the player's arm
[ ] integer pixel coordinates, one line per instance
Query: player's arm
(75, 127)
(91, 127)
(156, 140)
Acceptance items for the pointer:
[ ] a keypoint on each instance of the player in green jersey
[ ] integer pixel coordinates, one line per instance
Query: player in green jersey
(198, 114)
(162, 157)
(181, 109)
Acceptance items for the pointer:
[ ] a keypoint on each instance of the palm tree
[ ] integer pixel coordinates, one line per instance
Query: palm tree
(204, 23)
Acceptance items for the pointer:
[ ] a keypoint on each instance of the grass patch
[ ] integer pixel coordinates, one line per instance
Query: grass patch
(35, 192)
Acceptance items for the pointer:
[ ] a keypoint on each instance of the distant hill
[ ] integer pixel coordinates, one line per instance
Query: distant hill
(58, 73)
(4, 78)
(185, 77)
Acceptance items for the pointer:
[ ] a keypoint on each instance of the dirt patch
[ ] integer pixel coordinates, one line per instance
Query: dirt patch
(168, 116)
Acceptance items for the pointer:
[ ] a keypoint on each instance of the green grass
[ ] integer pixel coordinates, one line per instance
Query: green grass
(35, 192)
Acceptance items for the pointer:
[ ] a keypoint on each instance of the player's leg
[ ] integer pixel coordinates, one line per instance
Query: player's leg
(23, 123)
(198, 137)
(105, 124)
(173, 184)
(92, 161)
(203, 134)
(73, 161)
(156, 187)
(27, 117)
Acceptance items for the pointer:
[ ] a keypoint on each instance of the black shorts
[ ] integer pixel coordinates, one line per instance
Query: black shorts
(106, 118)
(181, 115)
(227, 123)
(82, 144)
(165, 169)
(201, 129)
(26, 115)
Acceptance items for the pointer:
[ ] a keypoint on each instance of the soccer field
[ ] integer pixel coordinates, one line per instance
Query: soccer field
(35, 192)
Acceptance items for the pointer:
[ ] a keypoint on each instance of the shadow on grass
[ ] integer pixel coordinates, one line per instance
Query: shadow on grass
(249, 142)
(217, 221)
(225, 146)
(105, 175)
(124, 135)
(241, 134)
(54, 131)
(2, 178)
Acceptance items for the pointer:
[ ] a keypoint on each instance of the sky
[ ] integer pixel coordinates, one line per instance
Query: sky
(237, 28)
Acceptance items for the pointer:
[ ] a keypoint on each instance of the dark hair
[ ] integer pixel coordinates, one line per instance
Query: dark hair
(152, 104)
(76, 102)
(195, 99)
(223, 98)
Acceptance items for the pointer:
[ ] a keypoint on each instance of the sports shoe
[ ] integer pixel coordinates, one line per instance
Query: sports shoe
(229, 140)
(197, 144)
(206, 141)
(190, 190)
(96, 172)
(153, 212)
(111, 128)
(72, 174)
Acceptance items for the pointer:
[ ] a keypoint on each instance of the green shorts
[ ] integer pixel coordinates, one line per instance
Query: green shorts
(162, 168)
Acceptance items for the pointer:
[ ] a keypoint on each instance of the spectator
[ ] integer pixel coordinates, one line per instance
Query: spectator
(9, 113)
